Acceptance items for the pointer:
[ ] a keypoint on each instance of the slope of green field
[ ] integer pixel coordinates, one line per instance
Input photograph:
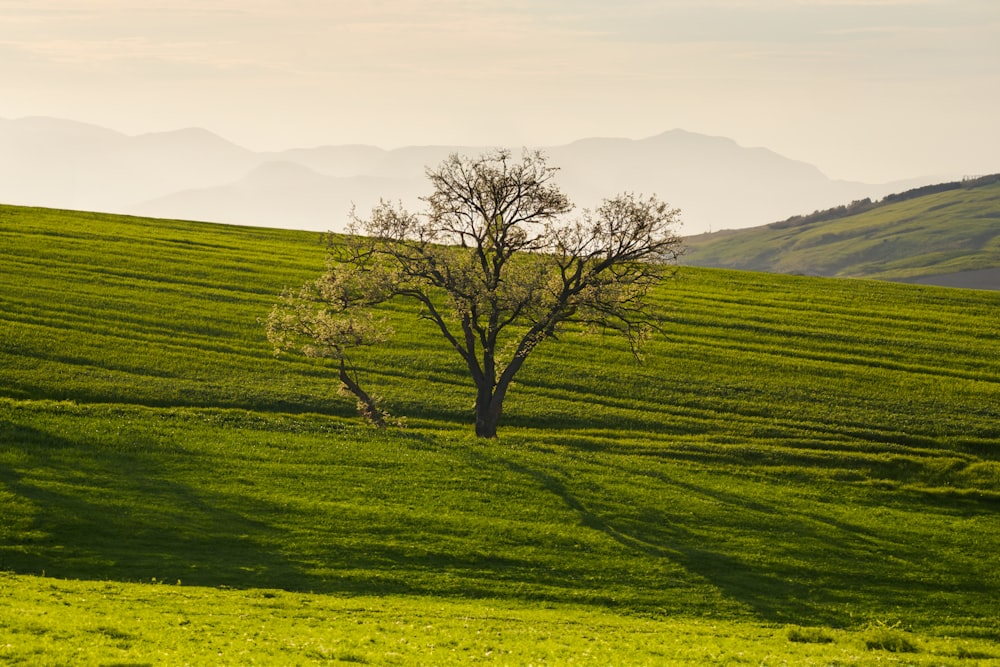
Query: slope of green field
(940, 234)
(792, 452)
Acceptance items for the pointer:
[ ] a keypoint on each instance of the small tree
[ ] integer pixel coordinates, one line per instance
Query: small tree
(327, 318)
(498, 267)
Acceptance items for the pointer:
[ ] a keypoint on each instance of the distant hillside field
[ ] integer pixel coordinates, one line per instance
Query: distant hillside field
(802, 471)
(949, 237)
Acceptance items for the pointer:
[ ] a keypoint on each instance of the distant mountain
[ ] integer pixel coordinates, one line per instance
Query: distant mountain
(717, 183)
(278, 194)
(334, 160)
(195, 174)
(64, 164)
(946, 234)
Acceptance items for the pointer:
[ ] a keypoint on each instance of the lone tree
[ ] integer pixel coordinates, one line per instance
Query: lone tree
(498, 265)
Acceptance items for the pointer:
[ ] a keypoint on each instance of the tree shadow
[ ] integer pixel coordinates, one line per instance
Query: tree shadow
(806, 567)
(93, 512)
(98, 513)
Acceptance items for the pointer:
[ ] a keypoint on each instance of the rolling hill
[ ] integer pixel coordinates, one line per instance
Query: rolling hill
(803, 470)
(947, 235)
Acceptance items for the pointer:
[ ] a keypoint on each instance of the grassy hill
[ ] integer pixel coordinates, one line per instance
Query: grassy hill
(949, 237)
(803, 470)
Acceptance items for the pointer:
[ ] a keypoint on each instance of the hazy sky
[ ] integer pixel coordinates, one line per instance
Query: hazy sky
(865, 89)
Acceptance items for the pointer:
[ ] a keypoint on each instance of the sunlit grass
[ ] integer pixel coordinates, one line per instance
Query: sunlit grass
(54, 622)
(930, 235)
(795, 456)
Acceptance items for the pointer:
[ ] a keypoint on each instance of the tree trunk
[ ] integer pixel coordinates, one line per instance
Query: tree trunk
(488, 411)
(367, 407)
(489, 399)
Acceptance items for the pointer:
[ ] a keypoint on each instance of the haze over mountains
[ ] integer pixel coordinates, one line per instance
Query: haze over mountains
(195, 174)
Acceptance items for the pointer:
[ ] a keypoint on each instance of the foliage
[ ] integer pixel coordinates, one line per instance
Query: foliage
(325, 319)
(495, 248)
(864, 205)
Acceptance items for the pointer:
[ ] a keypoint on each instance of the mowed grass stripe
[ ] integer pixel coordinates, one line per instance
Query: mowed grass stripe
(867, 335)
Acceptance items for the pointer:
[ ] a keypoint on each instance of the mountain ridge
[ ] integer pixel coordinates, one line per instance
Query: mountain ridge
(193, 173)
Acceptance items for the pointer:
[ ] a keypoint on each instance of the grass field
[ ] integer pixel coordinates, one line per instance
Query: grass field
(803, 471)
(943, 234)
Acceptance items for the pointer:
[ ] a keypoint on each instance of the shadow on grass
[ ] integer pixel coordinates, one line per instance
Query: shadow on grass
(785, 564)
(94, 513)
(83, 511)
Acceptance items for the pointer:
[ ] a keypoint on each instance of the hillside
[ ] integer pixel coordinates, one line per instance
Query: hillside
(794, 452)
(941, 235)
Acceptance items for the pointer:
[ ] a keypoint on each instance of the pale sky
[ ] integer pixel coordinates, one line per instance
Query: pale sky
(872, 90)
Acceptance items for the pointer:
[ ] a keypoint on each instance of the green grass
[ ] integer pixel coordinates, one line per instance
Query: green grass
(796, 456)
(53, 622)
(932, 235)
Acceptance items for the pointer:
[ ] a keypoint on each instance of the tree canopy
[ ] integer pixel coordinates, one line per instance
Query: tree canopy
(498, 262)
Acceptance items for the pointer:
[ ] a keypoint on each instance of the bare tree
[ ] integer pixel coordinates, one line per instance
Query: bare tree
(498, 266)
